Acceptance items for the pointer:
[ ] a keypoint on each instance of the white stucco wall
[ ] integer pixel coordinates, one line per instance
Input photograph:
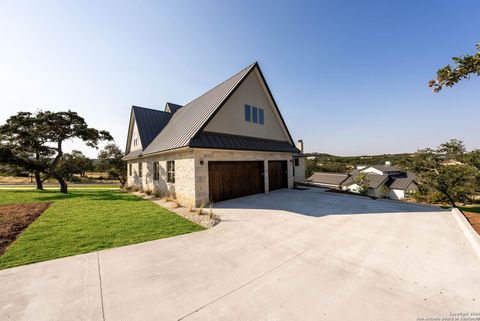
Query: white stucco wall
(135, 135)
(230, 118)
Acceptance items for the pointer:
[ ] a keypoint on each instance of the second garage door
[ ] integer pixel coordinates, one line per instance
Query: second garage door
(227, 180)
(277, 175)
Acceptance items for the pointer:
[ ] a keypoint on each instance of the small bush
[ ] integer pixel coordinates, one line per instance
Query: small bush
(200, 210)
(191, 208)
(135, 188)
(157, 193)
(148, 191)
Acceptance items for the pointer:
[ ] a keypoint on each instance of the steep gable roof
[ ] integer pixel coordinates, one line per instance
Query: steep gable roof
(191, 119)
(172, 108)
(149, 123)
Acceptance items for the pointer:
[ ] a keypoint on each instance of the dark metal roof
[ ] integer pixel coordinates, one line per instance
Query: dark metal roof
(373, 180)
(400, 183)
(172, 108)
(149, 123)
(227, 141)
(328, 178)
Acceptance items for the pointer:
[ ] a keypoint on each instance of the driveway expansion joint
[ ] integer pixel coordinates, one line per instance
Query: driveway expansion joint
(245, 284)
(101, 289)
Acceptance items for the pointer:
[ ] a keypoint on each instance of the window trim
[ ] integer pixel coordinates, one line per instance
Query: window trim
(171, 171)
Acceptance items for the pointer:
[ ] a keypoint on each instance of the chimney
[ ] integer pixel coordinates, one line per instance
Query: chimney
(388, 163)
(299, 145)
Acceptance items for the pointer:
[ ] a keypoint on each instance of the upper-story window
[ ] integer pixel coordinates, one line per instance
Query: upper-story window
(254, 115)
(135, 142)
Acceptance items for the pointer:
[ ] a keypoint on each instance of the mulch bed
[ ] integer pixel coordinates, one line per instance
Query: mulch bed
(474, 219)
(14, 218)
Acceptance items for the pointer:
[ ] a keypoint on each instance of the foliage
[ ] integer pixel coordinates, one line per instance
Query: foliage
(464, 66)
(23, 146)
(30, 141)
(86, 221)
(455, 181)
(74, 163)
(111, 162)
(362, 181)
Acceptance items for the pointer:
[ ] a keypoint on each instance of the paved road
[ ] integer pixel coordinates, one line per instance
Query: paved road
(287, 255)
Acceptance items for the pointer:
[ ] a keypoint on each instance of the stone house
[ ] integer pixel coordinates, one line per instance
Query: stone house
(230, 142)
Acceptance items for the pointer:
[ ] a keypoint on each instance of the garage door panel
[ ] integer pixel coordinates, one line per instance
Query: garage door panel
(229, 180)
(277, 175)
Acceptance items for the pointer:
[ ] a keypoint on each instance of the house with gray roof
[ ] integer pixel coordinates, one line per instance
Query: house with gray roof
(384, 181)
(232, 141)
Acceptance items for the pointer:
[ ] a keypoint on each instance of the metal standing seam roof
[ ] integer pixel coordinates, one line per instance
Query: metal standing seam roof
(328, 178)
(374, 180)
(172, 107)
(228, 141)
(400, 183)
(189, 119)
(149, 123)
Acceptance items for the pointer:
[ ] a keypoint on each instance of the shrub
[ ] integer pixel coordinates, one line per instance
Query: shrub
(148, 191)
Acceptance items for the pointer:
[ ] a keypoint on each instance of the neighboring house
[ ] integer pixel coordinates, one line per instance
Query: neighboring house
(330, 180)
(230, 142)
(382, 180)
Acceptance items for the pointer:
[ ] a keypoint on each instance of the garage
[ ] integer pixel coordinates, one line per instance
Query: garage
(277, 175)
(232, 179)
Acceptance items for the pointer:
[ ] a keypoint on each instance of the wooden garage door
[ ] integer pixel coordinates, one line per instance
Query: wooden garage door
(227, 180)
(277, 175)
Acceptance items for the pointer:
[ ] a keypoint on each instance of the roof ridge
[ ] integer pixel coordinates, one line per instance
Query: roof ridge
(211, 89)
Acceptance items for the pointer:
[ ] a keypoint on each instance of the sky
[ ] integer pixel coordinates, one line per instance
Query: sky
(349, 77)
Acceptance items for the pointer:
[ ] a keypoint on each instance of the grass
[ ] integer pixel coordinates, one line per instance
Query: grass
(86, 221)
(471, 209)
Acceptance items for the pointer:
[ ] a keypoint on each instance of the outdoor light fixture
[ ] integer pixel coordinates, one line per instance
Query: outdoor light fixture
(201, 162)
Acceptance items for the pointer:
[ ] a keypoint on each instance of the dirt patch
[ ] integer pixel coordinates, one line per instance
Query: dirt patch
(474, 219)
(14, 218)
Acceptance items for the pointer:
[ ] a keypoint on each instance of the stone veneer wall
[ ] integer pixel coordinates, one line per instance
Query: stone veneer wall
(191, 177)
(300, 171)
(206, 155)
(184, 187)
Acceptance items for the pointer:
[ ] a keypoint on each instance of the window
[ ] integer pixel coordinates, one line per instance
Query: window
(254, 115)
(140, 170)
(156, 174)
(297, 162)
(247, 113)
(130, 169)
(171, 171)
(260, 116)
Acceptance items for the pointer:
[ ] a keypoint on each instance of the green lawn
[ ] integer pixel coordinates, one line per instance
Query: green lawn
(86, 221)
(472, 209)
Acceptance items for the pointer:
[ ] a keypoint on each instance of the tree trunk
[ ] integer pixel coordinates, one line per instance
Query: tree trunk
(63, 184)
(38, 180)
(450, 198)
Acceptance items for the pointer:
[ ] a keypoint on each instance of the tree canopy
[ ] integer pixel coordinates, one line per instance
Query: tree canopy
(463, 68)
(111, 162)
(35, 142)
(449, 169)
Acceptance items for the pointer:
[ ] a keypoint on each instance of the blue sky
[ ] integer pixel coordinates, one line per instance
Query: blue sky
(350, 77)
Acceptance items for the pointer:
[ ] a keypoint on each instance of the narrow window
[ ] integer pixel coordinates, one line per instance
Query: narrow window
(254, 114)
(171, 171)
(260, 116)
(156, 174)
(296, 162)
(247, 113)
(130, 169)
(140, 170)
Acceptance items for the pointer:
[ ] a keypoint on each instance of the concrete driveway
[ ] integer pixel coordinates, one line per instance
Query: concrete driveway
(287, 255)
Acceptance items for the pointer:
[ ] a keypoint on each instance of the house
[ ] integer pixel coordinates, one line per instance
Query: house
(230, 142)
(385, 181)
